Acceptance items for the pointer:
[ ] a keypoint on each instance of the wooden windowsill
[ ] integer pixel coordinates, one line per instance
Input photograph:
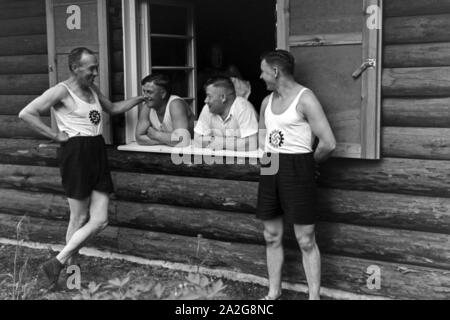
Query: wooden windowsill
(134, 147)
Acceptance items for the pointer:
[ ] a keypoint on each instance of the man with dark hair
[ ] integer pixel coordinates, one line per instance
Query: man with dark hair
(227, 122)
(291, 117)
(86, 179)
(165, 119)
(75, 56)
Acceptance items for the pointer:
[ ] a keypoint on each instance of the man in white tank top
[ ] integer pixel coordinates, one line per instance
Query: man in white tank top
(78, 105)
(165, 119)
(290, 119)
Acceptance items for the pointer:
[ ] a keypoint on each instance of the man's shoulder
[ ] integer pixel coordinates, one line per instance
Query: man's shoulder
(58, 92)
(243, 104)
(176, 103)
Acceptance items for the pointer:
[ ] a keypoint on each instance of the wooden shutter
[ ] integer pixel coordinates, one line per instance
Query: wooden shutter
(331, 39)
(78, 23)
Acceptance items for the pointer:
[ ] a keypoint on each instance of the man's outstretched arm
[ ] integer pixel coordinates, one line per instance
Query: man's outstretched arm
(115, 108)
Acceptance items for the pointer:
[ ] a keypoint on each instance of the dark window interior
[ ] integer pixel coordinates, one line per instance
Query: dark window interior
(244, 29)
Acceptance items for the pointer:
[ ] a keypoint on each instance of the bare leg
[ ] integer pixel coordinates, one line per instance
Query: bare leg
(78, 216)
(273, 234)
(311, 258)
(97, 222)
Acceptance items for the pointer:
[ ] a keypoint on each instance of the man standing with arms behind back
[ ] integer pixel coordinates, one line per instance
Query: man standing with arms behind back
(291, 118)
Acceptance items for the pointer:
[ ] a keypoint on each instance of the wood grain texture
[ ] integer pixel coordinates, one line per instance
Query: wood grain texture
(415, 7)
(400, 281)
(416, 82)
(410, 112)
(385, 244)
(419, 29)
(417, 55)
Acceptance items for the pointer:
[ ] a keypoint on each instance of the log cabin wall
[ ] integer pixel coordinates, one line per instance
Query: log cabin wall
(23, 62)
(392, 213)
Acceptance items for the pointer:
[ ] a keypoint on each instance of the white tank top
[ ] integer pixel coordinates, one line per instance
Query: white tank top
(287, 132)
(80, 118)
(166, 125)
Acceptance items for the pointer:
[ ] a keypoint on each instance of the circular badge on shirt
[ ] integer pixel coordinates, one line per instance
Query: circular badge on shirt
(276, 139)
(95, 117)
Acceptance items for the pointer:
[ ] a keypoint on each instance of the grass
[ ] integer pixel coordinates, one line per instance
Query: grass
(108, 279)
(101, 271)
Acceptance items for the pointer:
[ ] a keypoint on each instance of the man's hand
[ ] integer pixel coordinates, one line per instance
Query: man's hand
(316, 171)
(152, 133)
(61, 137)
(217, 144)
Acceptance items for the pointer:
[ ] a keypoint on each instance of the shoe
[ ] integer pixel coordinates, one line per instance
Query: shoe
(51, 269)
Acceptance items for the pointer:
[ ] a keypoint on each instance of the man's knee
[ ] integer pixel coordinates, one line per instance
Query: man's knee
(82, 219)
(273, 237)
(307, 242)
(100, 224)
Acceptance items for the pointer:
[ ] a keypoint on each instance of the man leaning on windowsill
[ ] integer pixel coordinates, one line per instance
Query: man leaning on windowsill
(227, 122)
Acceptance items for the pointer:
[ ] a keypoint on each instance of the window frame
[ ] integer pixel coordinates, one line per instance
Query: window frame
(138, 60)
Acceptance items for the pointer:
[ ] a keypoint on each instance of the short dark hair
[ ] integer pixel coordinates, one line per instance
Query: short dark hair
(161, 80)
(222, 82)
(76, 54)
(282, 59)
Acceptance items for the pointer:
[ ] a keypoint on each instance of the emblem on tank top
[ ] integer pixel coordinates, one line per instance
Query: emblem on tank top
(95, 117)
(276, 139)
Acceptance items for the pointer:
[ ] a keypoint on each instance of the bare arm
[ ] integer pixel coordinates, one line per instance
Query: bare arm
(31, 114)
(313, 111)
(114, 108)
(180, 137)
(262, 124)
(142, 128)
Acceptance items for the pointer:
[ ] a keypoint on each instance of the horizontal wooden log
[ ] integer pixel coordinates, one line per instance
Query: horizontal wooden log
(41, 153)
(350, 274)
(389, 175)
(417, 55)
(420, 29)
(47, 231)
(29, 64)
(194, 192)
(22, 9)
(23, 45)
(415, 7)
(416, 82)
(13, 127)
(420, 143)
(30, 84)
(23, 26)
(419, 248)
(429, 113)
(385, 210)
(11, 104)
(345, 206)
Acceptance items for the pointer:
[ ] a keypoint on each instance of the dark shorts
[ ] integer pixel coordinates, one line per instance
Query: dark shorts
(291, 192)
(84, 167)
